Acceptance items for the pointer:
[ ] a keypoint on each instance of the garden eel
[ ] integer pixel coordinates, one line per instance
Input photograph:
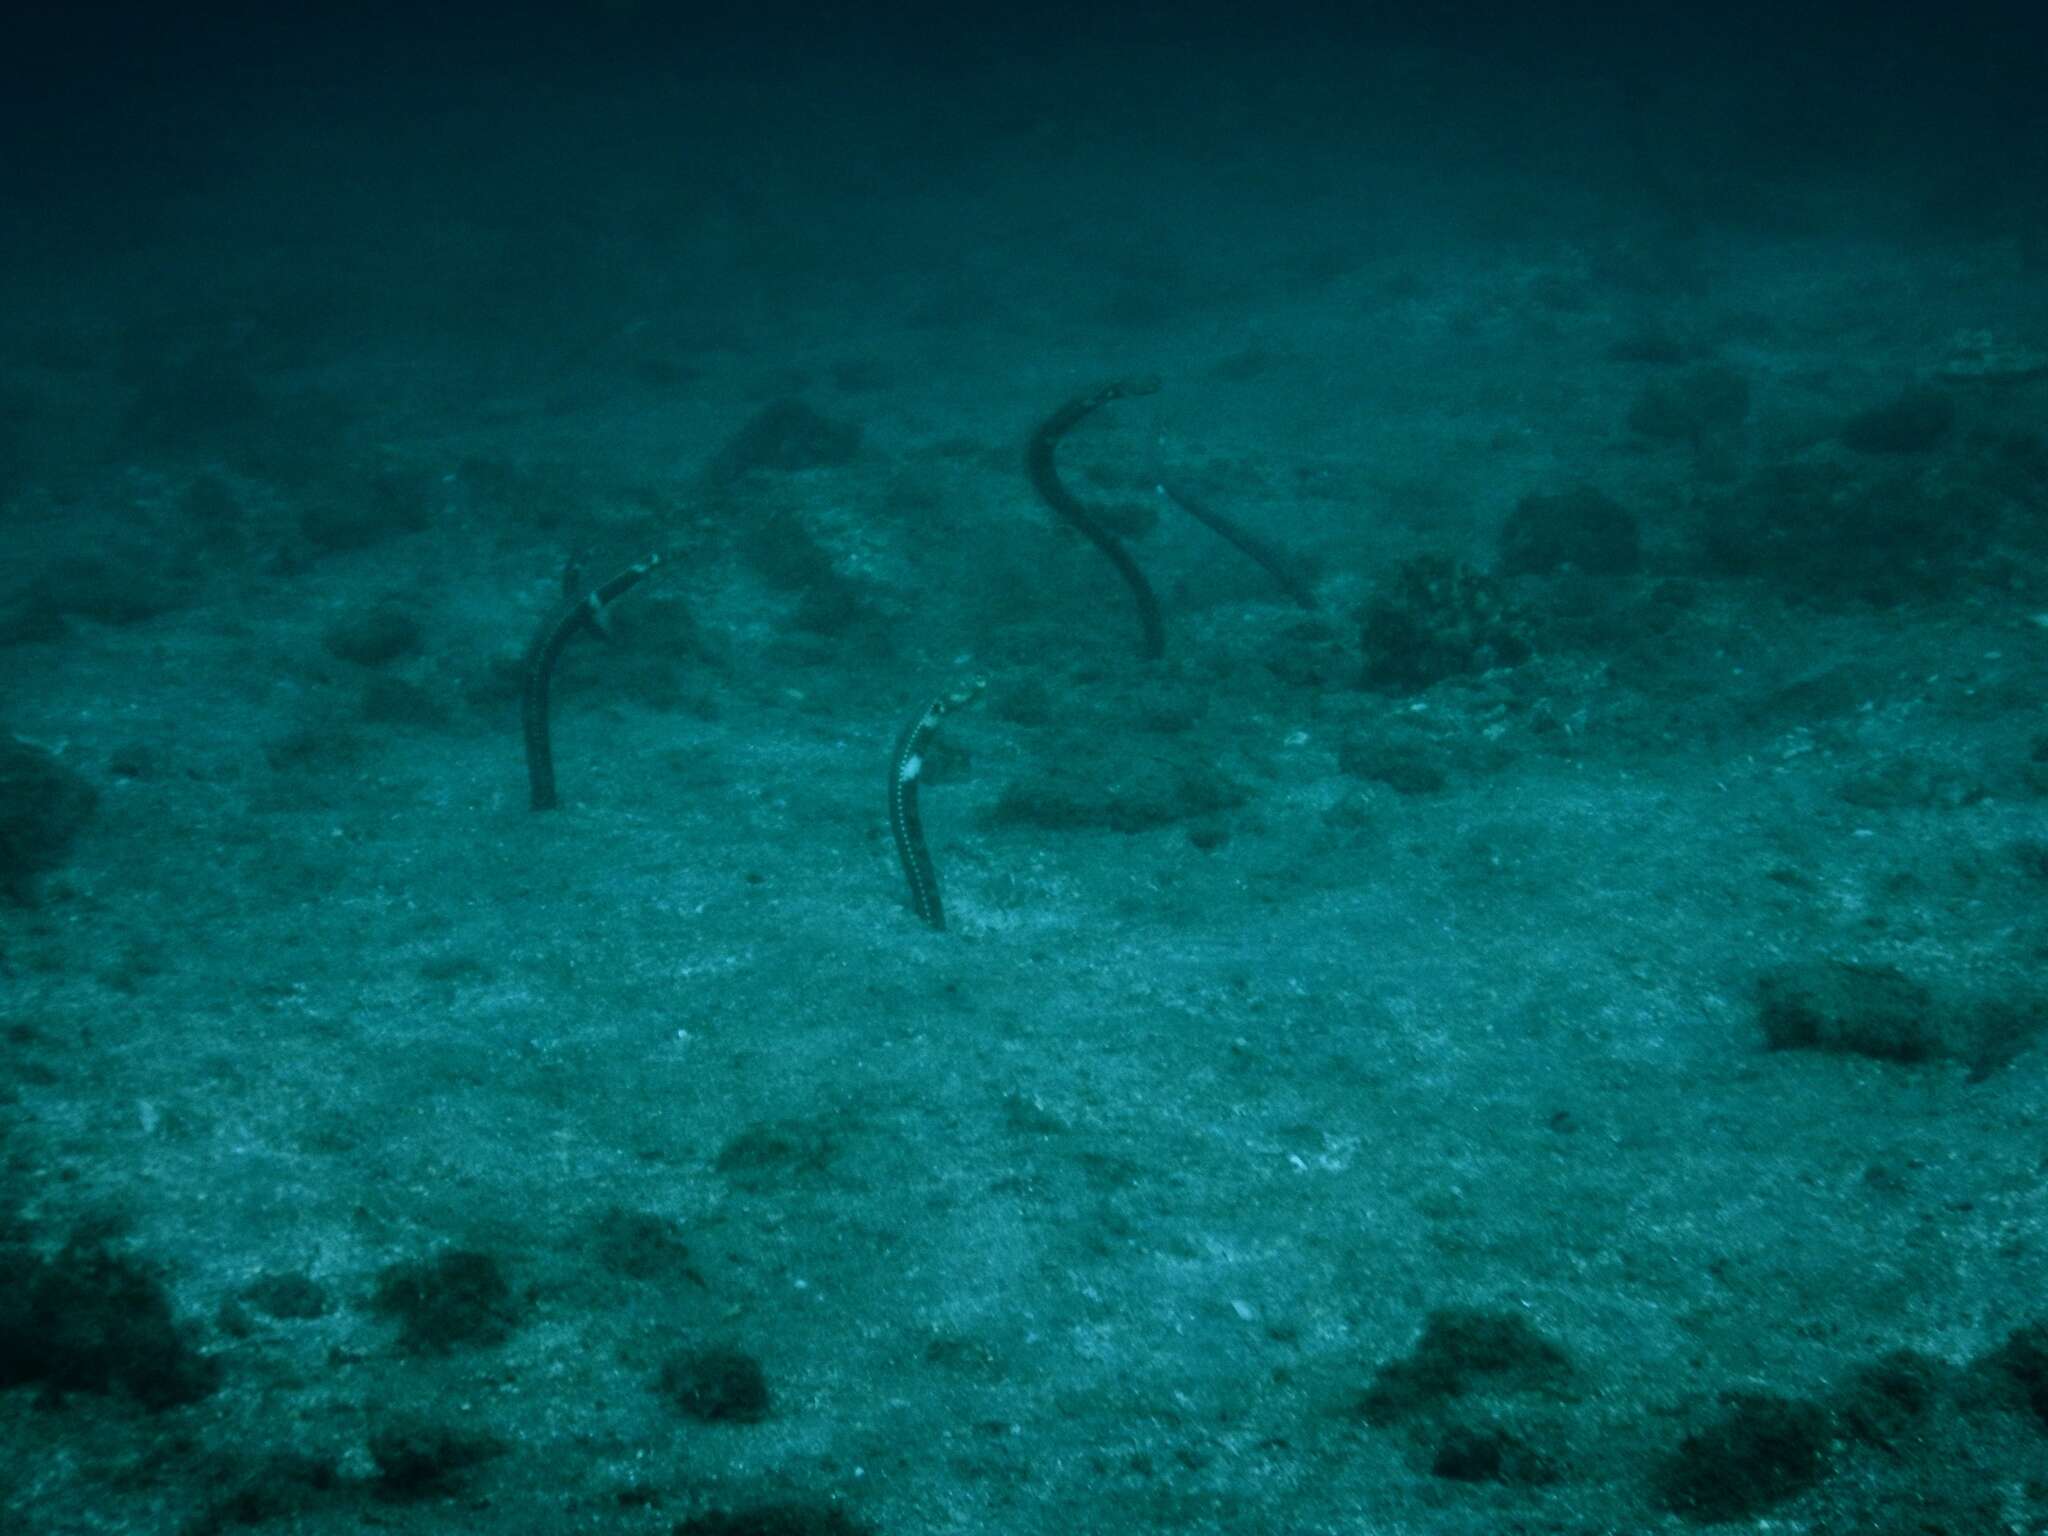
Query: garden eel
(541, 656)
(1272, 561)
(1038, 461)
(906, 763)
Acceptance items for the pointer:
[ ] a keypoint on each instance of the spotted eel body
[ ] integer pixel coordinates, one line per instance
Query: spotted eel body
(546, 649)
(906, 765)
(1272, 561)
(1038, 461)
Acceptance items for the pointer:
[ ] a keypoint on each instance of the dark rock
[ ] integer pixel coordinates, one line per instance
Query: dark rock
(43, 805)
(1435, 619)
(92, 1320)
(294, 1296)
(1859, 1010)
(459, 1299)
(417, 1458)
(784, 436)
(2018, 1371)
(639, 1245)
(1464, 1349)
(136, 760)
(1886, 1401)
(282, 1488)
(775, 1153)
(364, 511)
(1762, 1451)
(716, 1384)
(1581, 529)
(1913, 423)
(1468, 1453)
(784, 553)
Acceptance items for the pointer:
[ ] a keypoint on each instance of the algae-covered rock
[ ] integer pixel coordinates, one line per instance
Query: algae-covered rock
(43, 803)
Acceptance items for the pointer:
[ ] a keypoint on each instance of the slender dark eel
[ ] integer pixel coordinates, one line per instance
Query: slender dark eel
(1038, 460)
(541, 656)
(1257, 550)
(906, 764)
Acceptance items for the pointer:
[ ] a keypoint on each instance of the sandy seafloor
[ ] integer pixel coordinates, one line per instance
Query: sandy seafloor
(1101, 1210)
